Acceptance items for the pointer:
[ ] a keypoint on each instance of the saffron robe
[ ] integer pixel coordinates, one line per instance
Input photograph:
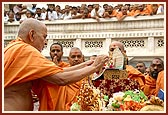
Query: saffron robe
(160, 82)
(72, 91)
(51, 96)
(150, 86)
(135, 75)
(24, 63)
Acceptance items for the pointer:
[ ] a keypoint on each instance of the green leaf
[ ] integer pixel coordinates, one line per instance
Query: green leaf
(106, 98)
(115, 105)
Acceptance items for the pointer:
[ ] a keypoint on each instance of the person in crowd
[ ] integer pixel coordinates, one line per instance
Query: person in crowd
(39, 15)
(6, 16)
(118, 7)
(142, 10)
(23, 63)
(51, 13)
(67, 14)
(29, 14)
(78, 9)
(85, 14)
(105, 6)
(110, 12)
(127, 7)
(90, 8)
(97, 12)
(106, 11)
(75, 14)
(33, 8)
(83, 6)
(75, 58)
(44, 10)
(141, 67)
(155, 8)
(156, 66)
(132, 10)
(132, 72)
(147, 71)
(58, 12)
(11, 17)
(122, 14)
(160, 9)
(149, 9)
(19, 11)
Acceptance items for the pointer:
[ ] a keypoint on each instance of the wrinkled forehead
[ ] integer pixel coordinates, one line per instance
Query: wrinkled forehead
(115, 46)
(156, 61)
(112, 45)
(55, 46)
(75, 52)
(140, 64)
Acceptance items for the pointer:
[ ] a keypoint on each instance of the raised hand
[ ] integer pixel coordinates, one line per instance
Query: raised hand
(55, 60)
(100, 61)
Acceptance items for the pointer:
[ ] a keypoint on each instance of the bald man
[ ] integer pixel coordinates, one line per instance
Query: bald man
(75, 57)
(132, 72)
(23, 63)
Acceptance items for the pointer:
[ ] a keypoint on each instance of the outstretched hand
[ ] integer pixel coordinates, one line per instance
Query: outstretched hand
(89, 62)
(100, 61)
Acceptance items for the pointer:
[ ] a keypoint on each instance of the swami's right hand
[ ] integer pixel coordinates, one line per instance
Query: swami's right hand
(100, 61)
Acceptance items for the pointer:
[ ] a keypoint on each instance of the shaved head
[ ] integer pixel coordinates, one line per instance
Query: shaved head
(75, 49)
(115, 44)
(75, 56)
(29, 24)
(33, 32)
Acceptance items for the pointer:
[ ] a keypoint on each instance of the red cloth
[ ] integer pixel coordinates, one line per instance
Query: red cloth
(108, 87)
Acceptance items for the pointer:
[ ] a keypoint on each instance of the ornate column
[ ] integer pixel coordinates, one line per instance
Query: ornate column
(46, 49)
(151, 45)
(78, 43)
(107, 43)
